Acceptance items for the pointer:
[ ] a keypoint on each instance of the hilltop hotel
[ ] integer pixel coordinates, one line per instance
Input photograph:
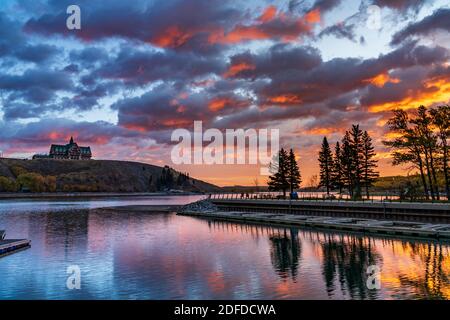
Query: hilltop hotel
(70, 151)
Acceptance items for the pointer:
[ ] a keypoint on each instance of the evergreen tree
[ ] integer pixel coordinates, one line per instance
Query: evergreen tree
(346, 159)
(294, 176)
(326, 165)
(337, 170)
(369, 163)
(357, 151)
(278, 181)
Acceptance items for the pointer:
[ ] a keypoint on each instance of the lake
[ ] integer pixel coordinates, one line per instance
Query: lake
(165, 256)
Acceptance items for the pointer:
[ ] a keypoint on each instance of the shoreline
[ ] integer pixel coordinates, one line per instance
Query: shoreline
(88, 195)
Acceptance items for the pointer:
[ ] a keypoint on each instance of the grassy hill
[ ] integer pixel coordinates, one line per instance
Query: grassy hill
(48, 175)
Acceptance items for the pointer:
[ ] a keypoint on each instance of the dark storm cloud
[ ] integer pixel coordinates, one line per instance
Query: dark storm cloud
(413, 83)
(308, 80)
(37, 78)
(164, 107)
(340, 31)
(401, 5)
(439, 20)
(89, 55)
(137, 67)
(182, 24)
(14, 45)
(48, 131)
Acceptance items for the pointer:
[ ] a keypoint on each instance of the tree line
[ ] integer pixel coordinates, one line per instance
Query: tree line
(285, 173)
(421, 141)
(352, 166)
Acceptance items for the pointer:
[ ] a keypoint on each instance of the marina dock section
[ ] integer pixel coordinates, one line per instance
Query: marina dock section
(10, 246)
(380, 227)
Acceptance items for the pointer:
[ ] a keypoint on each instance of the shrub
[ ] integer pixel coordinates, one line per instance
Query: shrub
(32, 181)
(18, 170)
(8, 185)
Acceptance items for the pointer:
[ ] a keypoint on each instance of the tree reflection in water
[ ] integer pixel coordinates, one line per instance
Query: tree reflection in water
(434, 282)
(410, 268)
(346, 258)
(285, 251)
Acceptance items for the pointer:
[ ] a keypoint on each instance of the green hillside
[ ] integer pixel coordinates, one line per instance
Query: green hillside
(48, 175)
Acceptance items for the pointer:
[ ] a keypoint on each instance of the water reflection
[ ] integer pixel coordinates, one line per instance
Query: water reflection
(347, 258)
(285, 252)
(164, 256)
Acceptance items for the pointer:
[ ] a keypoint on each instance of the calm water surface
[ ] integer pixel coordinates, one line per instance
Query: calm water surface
(164, 256)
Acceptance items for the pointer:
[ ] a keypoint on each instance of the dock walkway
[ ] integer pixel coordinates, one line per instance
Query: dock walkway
(12, 245)
(395, 211)
(380, 227)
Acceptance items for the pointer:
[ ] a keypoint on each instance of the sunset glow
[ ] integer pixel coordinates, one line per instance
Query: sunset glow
(137, 71)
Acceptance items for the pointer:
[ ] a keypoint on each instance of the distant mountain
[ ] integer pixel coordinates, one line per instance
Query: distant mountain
(49, 175)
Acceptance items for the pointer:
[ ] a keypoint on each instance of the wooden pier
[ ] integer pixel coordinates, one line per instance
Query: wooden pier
(394, 211)
(12, 245)
(379, 227)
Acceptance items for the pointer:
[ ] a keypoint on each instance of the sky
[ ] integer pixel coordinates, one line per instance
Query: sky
(138, 70)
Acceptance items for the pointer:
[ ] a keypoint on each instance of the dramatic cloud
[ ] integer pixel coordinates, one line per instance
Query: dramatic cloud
(438, 21)
(137, 70)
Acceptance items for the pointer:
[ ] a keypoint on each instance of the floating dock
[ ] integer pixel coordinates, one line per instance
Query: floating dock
(395, 211)
(12, 245)
(380, 227)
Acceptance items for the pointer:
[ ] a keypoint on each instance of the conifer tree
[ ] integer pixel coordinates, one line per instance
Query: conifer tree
(326, 165)
(337, 170)
(369, 163)
(294, 176)
(278, 181)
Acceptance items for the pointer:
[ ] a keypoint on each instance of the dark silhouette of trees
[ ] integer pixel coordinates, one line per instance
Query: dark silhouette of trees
(278, 181)
(294, 176)
(353, 165)
(337, 175)
(370, 174)
(441, 120)
(347, 163)
(357, 149)
(421, 141)
(286, 174)
(326, 166)
(405, 146)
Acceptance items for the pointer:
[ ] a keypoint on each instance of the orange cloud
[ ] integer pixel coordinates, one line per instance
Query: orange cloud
(269, 14)
(237, 68)
(287, 99)
(436, 90)
(313, 16)
(218, 104)
(172, 37)
(269, 25)
(381, 79)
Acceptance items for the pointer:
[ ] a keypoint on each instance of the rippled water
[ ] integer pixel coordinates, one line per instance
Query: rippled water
(164, 256)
